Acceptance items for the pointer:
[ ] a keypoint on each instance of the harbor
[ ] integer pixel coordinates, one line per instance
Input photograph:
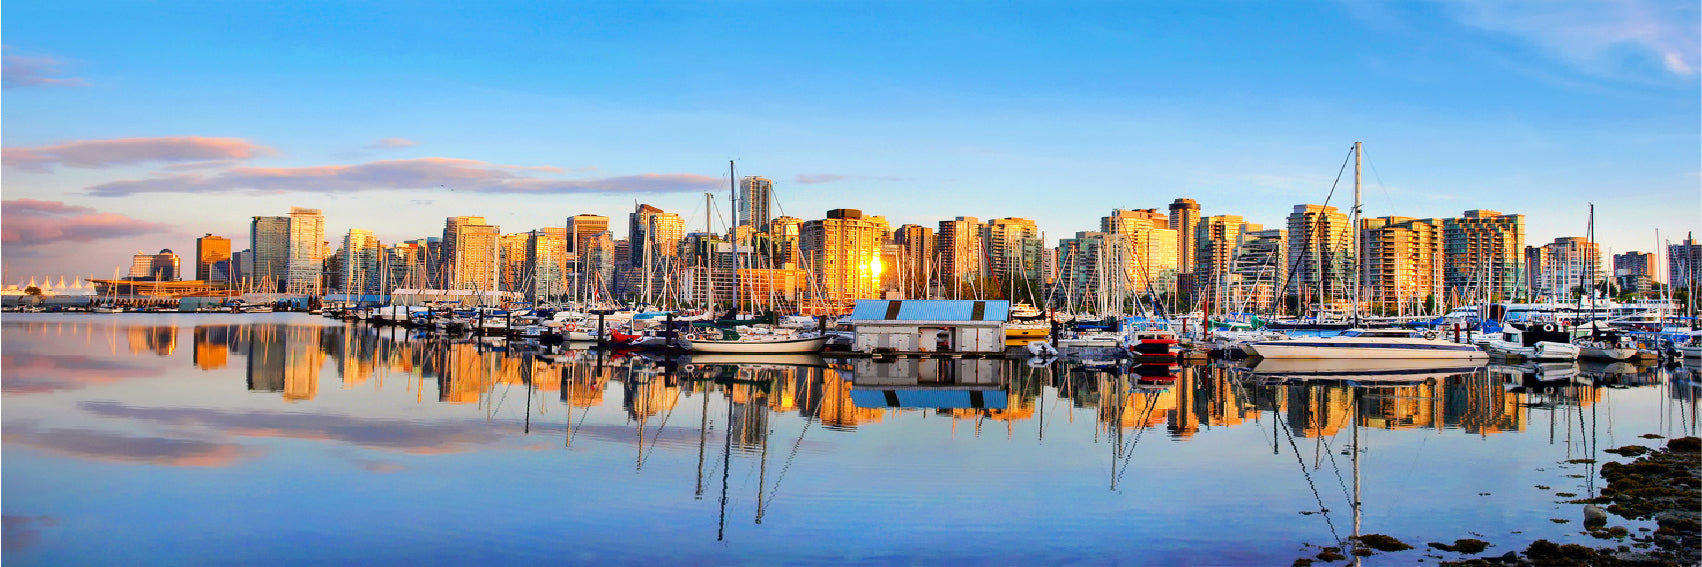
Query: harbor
(251, 418)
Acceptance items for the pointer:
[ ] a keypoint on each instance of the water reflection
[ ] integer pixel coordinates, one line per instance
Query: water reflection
(767, 438)
(288, 360)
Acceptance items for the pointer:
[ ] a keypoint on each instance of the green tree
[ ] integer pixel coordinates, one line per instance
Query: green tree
(32, 290)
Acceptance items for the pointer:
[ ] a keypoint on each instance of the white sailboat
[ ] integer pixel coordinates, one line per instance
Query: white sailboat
(1365, 343)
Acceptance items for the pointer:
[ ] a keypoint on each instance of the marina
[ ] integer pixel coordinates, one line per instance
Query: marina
(240, 429)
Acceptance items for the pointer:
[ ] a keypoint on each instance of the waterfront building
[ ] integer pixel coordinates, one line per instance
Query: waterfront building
(915, 260)
(756, 194)
(362, 257)
(269, 243)
(781, 243)
(1634, 271)
(1483, 256)
(471, 254)
(1184, 217)
(307, 250)
(165, 266)
(405, 266)
(843, 252)
(1082, 271)
(544, 261)
(1403, 261)
(514, 272)
(959, 248)
(1568, 262)
(1320, 252)
(654, 234)
(241, 266)
(1013, 249)
(1535, 266)
(210, 250)
(1143, 248)
(584, 228)
(1684, 264)
(141, 266)
(1260, 270)
(1217, 242)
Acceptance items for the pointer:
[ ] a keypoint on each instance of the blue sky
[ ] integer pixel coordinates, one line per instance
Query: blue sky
(141, 126)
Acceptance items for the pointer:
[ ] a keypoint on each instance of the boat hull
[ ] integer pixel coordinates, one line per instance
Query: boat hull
(811, 344)
(1308, 349)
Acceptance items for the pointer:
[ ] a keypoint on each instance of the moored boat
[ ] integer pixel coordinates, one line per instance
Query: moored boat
(1367, 343)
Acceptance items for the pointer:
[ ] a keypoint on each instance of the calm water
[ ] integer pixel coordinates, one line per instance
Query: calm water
(285, 438)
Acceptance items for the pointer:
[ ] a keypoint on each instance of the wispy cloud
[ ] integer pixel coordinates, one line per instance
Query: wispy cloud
(95, 154)
(31, 223)
(388, 143)
(1595, 35)
(34, 71)
(813, 178)
(421, 173)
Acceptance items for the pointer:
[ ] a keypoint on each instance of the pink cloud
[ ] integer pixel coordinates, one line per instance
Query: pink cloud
(29, 223)
(26, 71)
(107, 153)
(404, 174)
(393, 143)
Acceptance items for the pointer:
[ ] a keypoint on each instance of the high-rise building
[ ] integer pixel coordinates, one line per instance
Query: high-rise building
(960, 250)
(915, 260)
(269, 246)
(1261, 268)
(1569, 262)
(1403, 261)
(1483, 255)
(843, 252)
(1684, 264)
(1083, 271)
(306, 260)
(781, 242)
(514, 271)
(141, 266)
(584, 228)
(405, 266)
(654, 234)
(755, 196)
(166, 266)
(1535, 266)
(1141, 252)
(1634, 271)
(1320, 252)
(1013, 248)
(545, 254)
(1184, 215)
(210, 250)
(471, 257)
(1217, 242)
(362, 257)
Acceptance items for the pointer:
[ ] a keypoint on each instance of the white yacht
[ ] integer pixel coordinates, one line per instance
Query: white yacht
(1367, 343)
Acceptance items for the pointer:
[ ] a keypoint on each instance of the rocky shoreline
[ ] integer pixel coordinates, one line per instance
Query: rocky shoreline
(1664, 485)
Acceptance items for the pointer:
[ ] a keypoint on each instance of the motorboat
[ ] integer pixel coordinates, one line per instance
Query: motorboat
(1092, 339)
(1152, 342)
(1367, 343)
(1536, 341)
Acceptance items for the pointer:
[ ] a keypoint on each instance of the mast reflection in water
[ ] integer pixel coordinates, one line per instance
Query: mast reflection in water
(121, 446)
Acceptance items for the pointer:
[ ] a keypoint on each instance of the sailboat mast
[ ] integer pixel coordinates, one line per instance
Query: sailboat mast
(1358, 243)
(733, 190)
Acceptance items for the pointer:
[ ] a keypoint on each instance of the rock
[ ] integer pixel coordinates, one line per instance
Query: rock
(1510, 557)
(1593, 515)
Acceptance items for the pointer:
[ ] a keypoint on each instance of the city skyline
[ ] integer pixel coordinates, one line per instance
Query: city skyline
(119, 142)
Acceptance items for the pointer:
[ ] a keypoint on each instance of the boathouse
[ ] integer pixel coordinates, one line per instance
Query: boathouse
(930, 326)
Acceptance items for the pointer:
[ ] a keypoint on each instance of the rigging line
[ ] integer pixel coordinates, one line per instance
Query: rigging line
(659, 429)
(789, 457)
(1334, 466)
(1306, 242)
(1129, 452)
(1302, 464)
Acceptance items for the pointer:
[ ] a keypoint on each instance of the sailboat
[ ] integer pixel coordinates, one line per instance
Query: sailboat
(732, 341)
(1365, 343)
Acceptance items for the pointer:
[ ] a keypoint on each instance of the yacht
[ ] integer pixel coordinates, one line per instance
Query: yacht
(1536, 341)
(1366, 343)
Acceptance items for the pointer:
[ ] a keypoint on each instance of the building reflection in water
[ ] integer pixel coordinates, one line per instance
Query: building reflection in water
(846, 394)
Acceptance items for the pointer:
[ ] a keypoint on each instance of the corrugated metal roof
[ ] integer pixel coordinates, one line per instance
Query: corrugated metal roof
(931, 310)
